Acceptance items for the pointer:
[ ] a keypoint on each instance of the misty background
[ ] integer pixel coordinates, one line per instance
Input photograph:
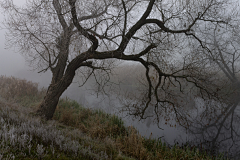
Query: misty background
(11, 62)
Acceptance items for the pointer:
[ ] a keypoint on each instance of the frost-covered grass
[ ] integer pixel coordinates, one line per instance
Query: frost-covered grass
(26, 137)
(74, 133)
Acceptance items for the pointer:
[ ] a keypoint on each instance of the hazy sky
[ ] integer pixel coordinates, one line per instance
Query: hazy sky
(10, 61)
(13, 63)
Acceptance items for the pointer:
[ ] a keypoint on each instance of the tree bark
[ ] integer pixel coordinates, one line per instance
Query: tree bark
(48, 106)
(54, 92)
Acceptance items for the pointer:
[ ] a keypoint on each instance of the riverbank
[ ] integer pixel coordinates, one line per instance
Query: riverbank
(74, 132)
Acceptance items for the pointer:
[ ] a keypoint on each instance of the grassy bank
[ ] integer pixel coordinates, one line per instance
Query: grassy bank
(74, 133)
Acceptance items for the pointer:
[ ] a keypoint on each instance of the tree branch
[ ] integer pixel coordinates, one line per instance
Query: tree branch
(92, 38)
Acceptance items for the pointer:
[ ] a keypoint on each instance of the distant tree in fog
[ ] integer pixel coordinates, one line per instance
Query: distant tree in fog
(217, 125)
(66, 36)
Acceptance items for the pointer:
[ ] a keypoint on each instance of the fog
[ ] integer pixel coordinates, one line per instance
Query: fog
(10, 62)
(13, 63)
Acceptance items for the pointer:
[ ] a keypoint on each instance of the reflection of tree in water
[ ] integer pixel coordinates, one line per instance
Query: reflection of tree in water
(217, 130)
(216, 127)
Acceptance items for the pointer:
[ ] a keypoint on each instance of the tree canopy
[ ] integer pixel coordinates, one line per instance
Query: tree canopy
(172, 39)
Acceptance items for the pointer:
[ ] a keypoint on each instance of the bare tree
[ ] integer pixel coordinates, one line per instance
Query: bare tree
(67, 35)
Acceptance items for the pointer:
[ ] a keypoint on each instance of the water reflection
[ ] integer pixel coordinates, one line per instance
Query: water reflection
(217, 129)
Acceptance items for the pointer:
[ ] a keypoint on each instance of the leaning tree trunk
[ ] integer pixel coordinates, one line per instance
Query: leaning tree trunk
(54, 92)
(49, 104)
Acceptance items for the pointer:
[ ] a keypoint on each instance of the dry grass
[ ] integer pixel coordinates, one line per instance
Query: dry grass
(93, 134)
(12, 87)
(95, 123)
(20, 91)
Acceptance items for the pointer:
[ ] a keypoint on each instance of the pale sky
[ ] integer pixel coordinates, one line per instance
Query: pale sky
(10, 61)
(13, 63)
